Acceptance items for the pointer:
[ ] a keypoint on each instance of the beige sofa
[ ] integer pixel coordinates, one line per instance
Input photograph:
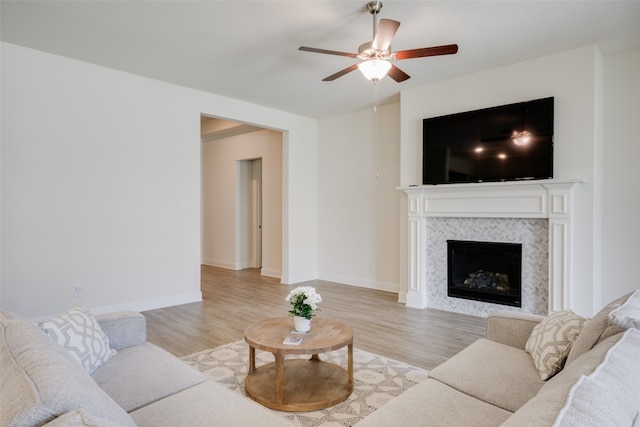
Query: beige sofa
(41, 384)
(494, 381)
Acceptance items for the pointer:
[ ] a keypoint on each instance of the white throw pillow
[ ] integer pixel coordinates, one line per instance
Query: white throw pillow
(628, 314)
(550, 341)
(78, 331)
(609, 396)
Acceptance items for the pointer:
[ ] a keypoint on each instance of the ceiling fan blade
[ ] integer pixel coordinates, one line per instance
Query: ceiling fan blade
(397, 74)
(386, 30)
(328, 52)
(448, 49)
(340, 73)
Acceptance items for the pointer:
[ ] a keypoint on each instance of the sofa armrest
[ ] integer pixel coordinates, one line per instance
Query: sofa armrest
(124, 328)
(511, 328)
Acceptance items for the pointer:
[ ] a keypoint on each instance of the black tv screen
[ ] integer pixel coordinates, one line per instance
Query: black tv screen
(506, 143)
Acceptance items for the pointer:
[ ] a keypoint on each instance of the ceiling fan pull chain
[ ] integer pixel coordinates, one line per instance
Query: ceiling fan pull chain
(375, 96)
(376, 126)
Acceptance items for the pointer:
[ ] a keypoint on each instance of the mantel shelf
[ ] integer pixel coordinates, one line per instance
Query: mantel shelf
(544, 198)
(492, 185)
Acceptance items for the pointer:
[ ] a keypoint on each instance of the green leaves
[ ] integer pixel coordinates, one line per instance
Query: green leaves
(304, 300)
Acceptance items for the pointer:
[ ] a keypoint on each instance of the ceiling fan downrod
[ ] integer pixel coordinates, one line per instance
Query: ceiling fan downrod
(374, 8)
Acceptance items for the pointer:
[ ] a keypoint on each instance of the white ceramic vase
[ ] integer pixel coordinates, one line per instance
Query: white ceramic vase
(301, 324)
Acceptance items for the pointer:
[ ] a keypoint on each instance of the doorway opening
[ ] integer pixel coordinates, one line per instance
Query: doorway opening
(242, 196)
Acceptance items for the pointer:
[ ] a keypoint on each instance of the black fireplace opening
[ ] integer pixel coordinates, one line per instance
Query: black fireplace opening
(485, 271)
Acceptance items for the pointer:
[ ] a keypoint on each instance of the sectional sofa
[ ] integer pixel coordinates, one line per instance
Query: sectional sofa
(141, 384)
(496, 382)
(558, 370)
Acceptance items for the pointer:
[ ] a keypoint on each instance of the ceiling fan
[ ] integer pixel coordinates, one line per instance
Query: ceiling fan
(377, 53)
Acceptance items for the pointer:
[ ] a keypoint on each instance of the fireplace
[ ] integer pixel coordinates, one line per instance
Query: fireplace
(539, 214)
(485, 271)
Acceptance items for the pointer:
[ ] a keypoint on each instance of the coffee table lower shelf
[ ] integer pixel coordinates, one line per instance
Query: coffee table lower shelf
(309, 385)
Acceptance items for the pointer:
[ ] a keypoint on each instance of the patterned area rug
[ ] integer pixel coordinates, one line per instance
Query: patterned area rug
(377, 380)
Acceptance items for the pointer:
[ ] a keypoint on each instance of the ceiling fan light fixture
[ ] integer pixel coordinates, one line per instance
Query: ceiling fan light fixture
(374, 69)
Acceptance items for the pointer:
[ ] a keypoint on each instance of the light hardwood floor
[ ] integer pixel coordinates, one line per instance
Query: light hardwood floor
(232, 300)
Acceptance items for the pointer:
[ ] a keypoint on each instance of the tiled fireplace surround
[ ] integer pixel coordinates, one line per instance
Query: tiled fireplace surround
(537, 214)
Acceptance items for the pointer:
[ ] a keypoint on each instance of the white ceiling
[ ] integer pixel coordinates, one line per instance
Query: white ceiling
(248, 50)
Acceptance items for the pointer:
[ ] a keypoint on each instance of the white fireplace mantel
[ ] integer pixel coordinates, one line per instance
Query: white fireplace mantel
(552, 199)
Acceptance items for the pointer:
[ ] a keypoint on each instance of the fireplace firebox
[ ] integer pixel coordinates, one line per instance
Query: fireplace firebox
(485, 271)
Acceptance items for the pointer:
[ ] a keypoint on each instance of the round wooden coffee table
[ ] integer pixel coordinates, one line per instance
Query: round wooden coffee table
(299, 384)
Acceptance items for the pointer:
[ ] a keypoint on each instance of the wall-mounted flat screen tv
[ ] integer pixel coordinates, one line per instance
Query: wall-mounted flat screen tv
(506, 143)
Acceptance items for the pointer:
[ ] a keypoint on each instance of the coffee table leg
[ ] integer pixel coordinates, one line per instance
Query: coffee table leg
(279, 377)
(252, 360)
(350, 364)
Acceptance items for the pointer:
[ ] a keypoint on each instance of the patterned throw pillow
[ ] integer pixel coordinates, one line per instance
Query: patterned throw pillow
(550, 341)
(81, 335)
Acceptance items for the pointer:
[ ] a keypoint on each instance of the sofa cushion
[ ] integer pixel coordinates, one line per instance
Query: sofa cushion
(628, 314)
(495, 373)
(434, 404)
(204, 405)
(80, 419)
(140, 375)
(610, 395)
(597, 329)
(41, 381)
(80, 334)
(7, 315)
(544, 407)
(124, 328)
(551, 340)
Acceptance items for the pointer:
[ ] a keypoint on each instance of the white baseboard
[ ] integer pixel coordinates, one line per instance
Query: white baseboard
(402, 297)
(219, 263)
(361, 282)
(151, 304)
(241, 265)
(290, 279)
(270, 272)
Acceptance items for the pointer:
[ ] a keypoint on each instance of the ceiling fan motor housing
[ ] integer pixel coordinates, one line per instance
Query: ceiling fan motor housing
(366, 51)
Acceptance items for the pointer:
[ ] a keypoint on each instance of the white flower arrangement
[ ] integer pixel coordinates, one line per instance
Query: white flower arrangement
(304, 300)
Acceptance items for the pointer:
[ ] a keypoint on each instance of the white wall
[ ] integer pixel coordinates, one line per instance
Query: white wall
(572, 78)
(358, 215)
(100, 178)
(101, 186)
(621, 197)
(220, 162)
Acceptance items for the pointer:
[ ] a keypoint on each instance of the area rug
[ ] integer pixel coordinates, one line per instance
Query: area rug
(377, 380)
